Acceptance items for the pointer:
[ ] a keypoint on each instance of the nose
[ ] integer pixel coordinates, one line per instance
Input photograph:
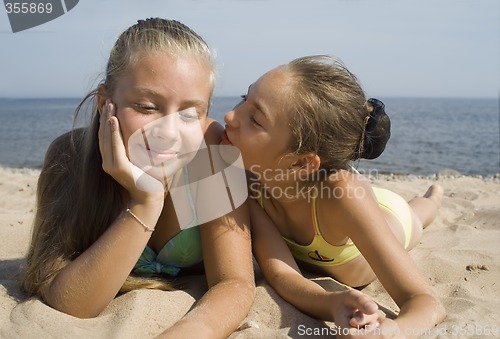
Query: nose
(166, 128)
(231, 118)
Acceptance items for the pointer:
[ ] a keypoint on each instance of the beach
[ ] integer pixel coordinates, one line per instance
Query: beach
(458, 254)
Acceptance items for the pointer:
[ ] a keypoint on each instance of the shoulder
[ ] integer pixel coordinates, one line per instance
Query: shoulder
(347, 199)
(349, 196)
(345, 187)
(213, 131)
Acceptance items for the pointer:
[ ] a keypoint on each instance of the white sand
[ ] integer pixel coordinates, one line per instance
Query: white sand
(459, 254)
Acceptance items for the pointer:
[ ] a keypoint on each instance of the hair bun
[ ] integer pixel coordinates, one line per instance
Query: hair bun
(377, 130)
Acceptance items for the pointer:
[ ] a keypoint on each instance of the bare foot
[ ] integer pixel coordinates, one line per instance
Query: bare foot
(435, 193)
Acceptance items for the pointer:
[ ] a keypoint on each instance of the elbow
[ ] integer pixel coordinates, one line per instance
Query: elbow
(70, 307)
(84, 313)
(246, 292)
(247, 288)
(438, 310)
(77, 312)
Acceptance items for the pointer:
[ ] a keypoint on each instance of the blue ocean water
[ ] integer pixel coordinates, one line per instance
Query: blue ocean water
(428, 135)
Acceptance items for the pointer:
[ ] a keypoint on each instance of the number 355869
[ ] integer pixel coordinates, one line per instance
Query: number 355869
(28, 7)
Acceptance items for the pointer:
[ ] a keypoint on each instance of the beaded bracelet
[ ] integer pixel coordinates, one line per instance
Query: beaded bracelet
(146, 228)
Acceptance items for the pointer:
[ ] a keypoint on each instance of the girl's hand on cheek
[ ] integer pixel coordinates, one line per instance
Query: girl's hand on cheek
(116, 163)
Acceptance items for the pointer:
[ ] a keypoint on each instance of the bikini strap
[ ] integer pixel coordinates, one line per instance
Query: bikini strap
(354, 169)
(188, 190)
(314, 212)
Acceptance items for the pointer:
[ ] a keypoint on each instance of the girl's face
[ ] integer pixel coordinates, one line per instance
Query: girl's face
(161, 104)
(258, 125)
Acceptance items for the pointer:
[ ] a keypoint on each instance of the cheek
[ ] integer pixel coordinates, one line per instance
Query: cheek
(129, 123)
(126, 132)
(124, 126)
(192, 136)
(253, 156)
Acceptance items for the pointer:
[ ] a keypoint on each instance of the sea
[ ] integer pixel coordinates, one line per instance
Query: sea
(428, 135)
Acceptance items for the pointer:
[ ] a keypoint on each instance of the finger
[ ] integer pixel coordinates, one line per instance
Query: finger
(102, 129)
(365, 309)
(368, 306)
(358, 300)
(105, 137)
(116, 136)
(360, 319)
(102, 121)
(118, 147)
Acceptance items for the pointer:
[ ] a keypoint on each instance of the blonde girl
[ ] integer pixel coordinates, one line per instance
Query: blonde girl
(93, 230)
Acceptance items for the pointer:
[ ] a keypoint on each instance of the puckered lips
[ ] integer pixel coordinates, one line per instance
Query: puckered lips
(225, 139)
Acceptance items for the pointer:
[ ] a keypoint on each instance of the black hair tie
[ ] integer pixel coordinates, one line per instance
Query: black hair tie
(378, 111)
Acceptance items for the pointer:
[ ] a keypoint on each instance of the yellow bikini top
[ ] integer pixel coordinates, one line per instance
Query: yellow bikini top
(319, 252)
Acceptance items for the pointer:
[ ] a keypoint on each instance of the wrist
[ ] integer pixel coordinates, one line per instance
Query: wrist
(146, 227)
(146, 214)
(153, 202)
(333, 305)
(152, 199)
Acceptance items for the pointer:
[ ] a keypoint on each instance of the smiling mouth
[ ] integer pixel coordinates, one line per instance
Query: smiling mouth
(162, 156)
(154, 154)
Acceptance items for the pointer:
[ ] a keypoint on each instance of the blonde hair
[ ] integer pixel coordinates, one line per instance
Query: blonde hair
(76, 199)
(328, 112)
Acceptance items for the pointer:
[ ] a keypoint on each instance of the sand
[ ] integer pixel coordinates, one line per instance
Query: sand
(458, 254)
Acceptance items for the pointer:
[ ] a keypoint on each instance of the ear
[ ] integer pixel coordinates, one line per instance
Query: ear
(102, 96)
(306, 164)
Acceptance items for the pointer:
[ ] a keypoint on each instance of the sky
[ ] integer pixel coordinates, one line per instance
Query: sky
(396, 48)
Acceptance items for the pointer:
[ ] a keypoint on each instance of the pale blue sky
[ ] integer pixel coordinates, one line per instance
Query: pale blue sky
(411, 48)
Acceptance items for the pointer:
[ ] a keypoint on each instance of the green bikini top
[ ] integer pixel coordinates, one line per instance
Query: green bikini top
(183, 250)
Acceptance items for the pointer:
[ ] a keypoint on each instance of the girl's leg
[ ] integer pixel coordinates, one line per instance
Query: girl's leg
(424, 210)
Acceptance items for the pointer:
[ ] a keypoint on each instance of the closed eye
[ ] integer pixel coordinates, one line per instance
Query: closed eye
(189, 115)
(254, 121)
(146, 107)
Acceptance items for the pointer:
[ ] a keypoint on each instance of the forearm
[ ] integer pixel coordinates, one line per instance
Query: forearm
(86, 286)
(419, 313)
(218, 313)
(304, 294)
